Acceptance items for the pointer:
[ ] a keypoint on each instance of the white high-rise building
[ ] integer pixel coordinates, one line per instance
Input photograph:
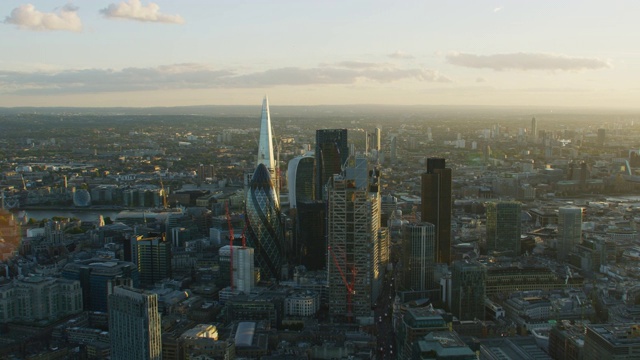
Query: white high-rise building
(135, 329)
(244, 277)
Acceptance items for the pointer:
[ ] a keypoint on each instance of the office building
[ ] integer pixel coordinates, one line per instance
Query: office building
(415, 324)
(332, 152)
(436, 205)
(504, 227)
(612, 341)
(534, 129)
(301, 180)
(310, 241)
(418, 256)
(265, 145)
(353, 264)
(264, 227)
(601, 137)
(154, 259)
(243, 269)
(569, 230)
(37, 299)
(378, 139)
(134, 324)
(97, 276)
(468, 281)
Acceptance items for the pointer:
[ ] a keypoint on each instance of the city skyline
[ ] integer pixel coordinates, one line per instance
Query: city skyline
(162, 53)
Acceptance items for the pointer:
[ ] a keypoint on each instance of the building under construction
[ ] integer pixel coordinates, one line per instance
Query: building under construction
(355, 265)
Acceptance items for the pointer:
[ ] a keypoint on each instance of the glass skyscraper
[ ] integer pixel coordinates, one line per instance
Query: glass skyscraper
(332, 151)
(264, 228)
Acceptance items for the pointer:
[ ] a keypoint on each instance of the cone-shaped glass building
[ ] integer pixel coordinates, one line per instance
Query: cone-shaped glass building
(264, 230)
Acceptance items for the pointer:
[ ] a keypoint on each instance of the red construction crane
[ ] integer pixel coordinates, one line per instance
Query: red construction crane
(230, 244)
(348, 285)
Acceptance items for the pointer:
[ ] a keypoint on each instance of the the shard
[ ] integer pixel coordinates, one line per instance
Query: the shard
(265, 146)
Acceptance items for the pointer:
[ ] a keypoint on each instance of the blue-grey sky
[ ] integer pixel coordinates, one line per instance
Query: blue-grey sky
(195, 52)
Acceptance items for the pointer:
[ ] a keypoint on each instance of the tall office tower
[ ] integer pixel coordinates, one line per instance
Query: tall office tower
(601, 137)
(354, 268)
(378, 139)
(504, 227)
(436, 205)
(394, 150)
(264, 226)
(265, 146)
(569, 230)
(310, 241)
(301, 180)
(332, 152)
(418, 256)
(534, 129)
(243, 269)
(468, 283)
(134, 324)
(154, 259)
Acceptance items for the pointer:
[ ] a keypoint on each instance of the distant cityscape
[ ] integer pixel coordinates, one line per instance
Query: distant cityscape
(319, 233)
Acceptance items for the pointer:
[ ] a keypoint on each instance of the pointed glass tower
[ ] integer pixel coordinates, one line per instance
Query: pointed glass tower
(265, 146)
(264, 229)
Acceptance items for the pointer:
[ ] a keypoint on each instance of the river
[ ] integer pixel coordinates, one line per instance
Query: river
(89, 216)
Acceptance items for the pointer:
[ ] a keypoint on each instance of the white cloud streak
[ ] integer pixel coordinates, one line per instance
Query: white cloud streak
(198, 76)
(28, 18)
(400, 55)
(134, 10)
(526, 61)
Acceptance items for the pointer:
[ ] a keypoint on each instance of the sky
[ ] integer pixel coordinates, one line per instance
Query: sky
(207, 52)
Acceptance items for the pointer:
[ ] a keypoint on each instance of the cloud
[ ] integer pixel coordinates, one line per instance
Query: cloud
(480, 79)
(496, 9)
(198, 76)
(526, 61)
(400, 55)
(28, 18)
(134, 10)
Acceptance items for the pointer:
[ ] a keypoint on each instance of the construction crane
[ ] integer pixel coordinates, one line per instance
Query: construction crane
(230, 244)
(348, 285)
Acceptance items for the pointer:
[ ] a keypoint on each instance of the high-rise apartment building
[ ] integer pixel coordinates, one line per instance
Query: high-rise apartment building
(264, 226)
(569, 230)
(504, 227)
(468, 281)
(134, 324)
(354, 263)
(418, 256)
(436, 205)
(332, 152)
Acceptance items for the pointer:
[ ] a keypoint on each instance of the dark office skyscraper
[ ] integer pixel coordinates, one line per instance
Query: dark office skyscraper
(436, 205)
(332, 152)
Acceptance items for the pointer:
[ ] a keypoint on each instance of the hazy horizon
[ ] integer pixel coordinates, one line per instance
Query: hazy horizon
(135, 53)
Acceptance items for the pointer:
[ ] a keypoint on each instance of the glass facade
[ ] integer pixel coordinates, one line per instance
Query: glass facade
(264, 228)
